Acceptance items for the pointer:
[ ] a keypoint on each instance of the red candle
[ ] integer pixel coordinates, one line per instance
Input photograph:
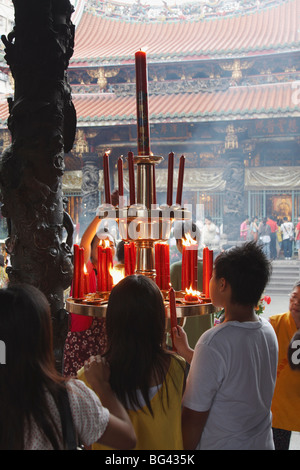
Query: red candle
(109, 266)
(120, 176)
(106, 179)
(131, 178)
(162, 265)
(132, 257)
(180, 180)
(207, 269)
(165, 266)
(173, 315)
(158, 264)
(154, 186)
(143, 132)
(170, 179)
(129, 258)
(86, 282)
(76, 275)
(81, 273)
(189, 267)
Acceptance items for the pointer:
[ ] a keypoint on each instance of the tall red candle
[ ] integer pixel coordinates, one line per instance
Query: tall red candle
(106, 179)
(157, 264)
(120, 177)
(189, 267)
(162, 265)
(105, 263)
(173, 315)
(129, 258)
(180, 180)
(207, 269)
(76, 275)
(165, 266)
(143, 131)
(81, 273)
(170, 179)
(154, 185)
(131, 178)
(86, 281)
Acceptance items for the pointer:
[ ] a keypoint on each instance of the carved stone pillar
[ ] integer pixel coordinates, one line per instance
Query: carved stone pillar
(89, 189)
(234, 175)
(42, 122)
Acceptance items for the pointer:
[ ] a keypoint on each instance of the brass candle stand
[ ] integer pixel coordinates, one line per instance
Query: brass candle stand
(144, 222)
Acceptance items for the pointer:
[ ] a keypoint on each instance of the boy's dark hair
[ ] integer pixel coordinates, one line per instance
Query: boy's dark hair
(246, 269)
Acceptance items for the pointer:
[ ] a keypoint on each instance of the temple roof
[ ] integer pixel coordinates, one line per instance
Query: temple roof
(107, 41)
(238, 102)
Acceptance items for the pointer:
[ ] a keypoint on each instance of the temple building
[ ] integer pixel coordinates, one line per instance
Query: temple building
(224, 90)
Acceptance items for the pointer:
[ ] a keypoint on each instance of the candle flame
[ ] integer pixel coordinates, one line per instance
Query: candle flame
(84, 269)
(108, 152)
(192, 292)
(117, 275)
(188, 240)
(104, 243)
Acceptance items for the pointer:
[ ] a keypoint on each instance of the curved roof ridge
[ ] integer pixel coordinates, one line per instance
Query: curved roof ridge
(107, 41)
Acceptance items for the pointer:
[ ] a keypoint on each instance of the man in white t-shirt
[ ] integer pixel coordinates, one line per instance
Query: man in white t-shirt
(287, 229)
(232, 377)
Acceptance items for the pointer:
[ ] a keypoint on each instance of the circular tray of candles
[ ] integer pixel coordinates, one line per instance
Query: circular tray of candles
(97, 308)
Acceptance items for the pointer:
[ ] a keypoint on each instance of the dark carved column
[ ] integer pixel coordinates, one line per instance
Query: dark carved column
(234, 198)
(42, 122)
(89, 188)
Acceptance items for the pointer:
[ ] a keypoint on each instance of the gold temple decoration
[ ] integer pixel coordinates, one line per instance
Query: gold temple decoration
(236, 68)
(102, 74)
(81, 145)
(231, 140)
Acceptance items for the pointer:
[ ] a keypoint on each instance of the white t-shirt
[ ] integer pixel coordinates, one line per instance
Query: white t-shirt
(233, 375)
(90, 418)
(287, 229)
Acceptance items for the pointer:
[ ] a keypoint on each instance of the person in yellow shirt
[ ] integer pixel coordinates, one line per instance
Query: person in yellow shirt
(148, 379)
(286, 399)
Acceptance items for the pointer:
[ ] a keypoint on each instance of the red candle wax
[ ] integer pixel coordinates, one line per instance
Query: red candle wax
(157, 264)
(126, 259)
(173, 315)
(76, 264)
(167, 266)
(99, 274)
(81, 273)
(106, 179)
(170, 179)
(143, 132)
(86, 283)
(183, 268)
(207, 269)
(120, 176)
(131, 178)
(180, 180)
(132, 251)
(109, 266)
(154, 186)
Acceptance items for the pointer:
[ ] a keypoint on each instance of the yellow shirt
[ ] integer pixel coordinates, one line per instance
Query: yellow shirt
(163, 430)
(286, 399)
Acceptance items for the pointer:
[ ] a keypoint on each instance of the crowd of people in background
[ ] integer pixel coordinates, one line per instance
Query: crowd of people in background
(278, 238)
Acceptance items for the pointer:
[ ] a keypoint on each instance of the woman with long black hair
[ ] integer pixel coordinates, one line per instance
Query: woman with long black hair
(31, 390)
